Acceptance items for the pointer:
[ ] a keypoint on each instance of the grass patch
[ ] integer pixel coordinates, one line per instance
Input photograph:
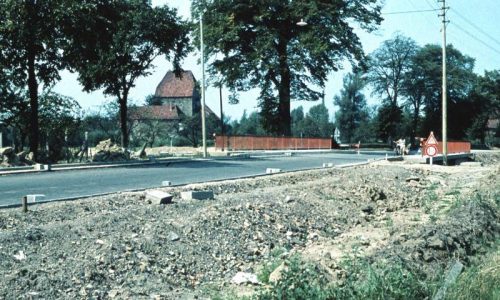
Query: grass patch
(270, 266)
(385, 280)
(481, 280)
(359, 280)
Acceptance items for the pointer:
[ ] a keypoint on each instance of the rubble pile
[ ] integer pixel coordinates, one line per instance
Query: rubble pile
(108, 151)
(8, 158)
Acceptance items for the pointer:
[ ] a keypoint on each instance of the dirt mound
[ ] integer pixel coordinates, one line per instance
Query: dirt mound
(121, 246)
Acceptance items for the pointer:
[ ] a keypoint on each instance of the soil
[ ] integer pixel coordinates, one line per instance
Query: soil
(123, 247)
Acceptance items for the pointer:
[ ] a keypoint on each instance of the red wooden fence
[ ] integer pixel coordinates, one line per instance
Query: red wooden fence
(453, 147)
(271, 143)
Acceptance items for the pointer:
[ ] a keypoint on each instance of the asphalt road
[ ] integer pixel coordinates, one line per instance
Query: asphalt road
(77, 183)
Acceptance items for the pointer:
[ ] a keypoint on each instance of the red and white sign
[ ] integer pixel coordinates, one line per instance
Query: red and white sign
(431, 145)
(431, 150)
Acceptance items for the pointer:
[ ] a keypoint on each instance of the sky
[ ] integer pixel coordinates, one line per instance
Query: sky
(474, 29)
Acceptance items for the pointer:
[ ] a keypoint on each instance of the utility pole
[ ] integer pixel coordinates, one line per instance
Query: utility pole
(444, 105)
(203, 127)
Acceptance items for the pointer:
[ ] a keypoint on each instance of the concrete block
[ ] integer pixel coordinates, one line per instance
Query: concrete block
(197, 195)
(40, 167)
(166, 183)
(158, 197)
(34, 197)
(272, 171)
(471, 164)
(328, 165)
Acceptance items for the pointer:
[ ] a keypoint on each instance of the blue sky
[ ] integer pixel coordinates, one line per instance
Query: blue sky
(474, 29)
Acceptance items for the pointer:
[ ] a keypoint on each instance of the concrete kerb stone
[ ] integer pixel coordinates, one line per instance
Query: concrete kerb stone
(273, 170)
(197, 195)
(158, 197)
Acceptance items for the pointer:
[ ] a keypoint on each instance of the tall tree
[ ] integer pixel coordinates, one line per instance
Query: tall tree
(461, 80)
(258, 43)
(113, 43)
(30, 50)
(486, 105)
(388, 66)
(316, 123)
(352, 107)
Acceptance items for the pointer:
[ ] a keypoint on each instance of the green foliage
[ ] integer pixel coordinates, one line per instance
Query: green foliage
(389, 122)
(461, 79)
(300, 280)
(60, 119)
(249, 125)
(486, 104)
(315, 123)
(384, 280)
(112, 44)
(251, 47)
(352, 114)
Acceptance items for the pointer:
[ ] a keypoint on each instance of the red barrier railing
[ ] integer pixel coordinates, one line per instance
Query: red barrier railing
(453, 147)
(271, 143)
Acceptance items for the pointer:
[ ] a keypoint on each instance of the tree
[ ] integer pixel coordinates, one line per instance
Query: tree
(352, 107)
(297, 116)
(486, 105)
(115, 42)
(316, 123)
(259, 44)
(60, 118)
(461, 80)
(388, 66)
(251, 125)
(30, 44)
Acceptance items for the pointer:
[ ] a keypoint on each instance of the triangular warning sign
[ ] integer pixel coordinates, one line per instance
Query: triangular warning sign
(431, 140)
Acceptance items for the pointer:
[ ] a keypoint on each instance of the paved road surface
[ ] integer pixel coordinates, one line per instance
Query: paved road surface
(75, 183)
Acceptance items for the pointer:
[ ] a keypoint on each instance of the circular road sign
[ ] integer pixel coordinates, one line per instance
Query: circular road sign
(431, 150)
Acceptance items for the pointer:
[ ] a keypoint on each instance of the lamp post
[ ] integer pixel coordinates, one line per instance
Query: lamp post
(203, 127)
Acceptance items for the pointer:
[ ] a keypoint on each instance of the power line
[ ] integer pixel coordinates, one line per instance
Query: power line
(430, 5)
(476, 27)
(486, 55)
(476, 38)
(409, 12)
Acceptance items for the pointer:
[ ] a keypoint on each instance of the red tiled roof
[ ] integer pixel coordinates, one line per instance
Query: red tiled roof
(175, 87)
(154, 112)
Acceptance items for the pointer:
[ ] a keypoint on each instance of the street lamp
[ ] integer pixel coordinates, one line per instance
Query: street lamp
(203, 127)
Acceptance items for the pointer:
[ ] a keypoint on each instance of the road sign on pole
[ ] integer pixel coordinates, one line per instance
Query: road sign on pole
(431, 146)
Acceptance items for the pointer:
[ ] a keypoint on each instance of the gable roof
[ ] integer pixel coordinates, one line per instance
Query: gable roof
(174, 87)
(154, 112)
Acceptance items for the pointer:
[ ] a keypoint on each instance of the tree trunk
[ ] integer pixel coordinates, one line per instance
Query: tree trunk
(123, 120)
(284, 90)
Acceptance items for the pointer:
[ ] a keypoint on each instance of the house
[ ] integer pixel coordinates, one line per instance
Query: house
(177, 97)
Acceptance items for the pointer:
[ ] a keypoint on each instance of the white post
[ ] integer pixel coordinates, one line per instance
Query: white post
(203, 128)
(431, 160)
(1, 140)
